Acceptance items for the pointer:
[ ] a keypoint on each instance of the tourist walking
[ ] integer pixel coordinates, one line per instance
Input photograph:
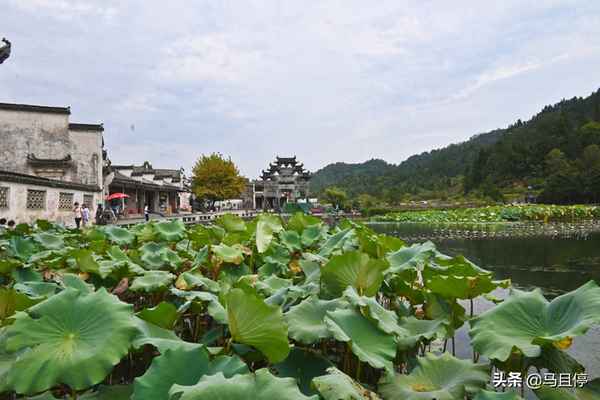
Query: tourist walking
(85, 215)
(77, 214)
(146, 213)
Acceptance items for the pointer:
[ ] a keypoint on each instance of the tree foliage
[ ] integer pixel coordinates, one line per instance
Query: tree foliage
(216, 178)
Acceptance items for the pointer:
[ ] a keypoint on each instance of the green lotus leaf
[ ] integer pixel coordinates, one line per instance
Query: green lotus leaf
(557, 361)
(437, 378)
(265, 228)
(214, 308)
(170, 231)
(311, 234)
(8, 265)
(182, 366)
(115, 392)
(145, 233)
(342, 240)
(369, 343)
(291, 240)
(44, 225)
(257, 324)
(231, 223)
(338, 386)
(460, 287)
(457, 266)
(37, 290)
(527, 321)
(21, 248)
(311, 269)
(49, 241)
(300, 221)
(12, 301)
(163, 315)
(261, 385)
(194, 279)
(487, 395)
(306, 320)
(152, 281)
(85, 261)
(412, 257)
(437, 307)
(81, 336)
(303, 365)
(413, 330)
(75, 282)
(118, 235)
(162, 339)
(353, 269)
(591, 391)
(386, 320)
(272, 284)
(229, 254)
(157, 256)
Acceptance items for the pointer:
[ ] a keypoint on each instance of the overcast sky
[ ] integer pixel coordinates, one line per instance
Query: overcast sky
(324, 80)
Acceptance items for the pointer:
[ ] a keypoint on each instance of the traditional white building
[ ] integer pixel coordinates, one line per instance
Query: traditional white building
(47, 163)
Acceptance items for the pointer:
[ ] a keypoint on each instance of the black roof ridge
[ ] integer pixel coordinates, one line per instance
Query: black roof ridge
(35, 108)
(76, 126)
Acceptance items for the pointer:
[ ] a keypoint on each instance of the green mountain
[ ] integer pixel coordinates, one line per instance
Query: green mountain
(518, 156)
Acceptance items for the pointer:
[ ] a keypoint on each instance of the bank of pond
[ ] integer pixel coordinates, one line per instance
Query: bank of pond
(267, 309)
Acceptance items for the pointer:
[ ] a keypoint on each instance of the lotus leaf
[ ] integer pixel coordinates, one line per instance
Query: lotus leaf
(413, 330)
(306, 320)
(182, 366)
(303, 365)
(194, 279)
(8, 265)
(21, 248)
(311, 234)
(354, 269)
(231, 223)
(257, 324)
(265, 228)
(162, 339)
(341, 240)
(291, 240)
(527, 321)
(437, 378)
(116, 392)
(229, 254)
(85, 261)
(152, 281)
(118, 235)
(163, 315)
(413, 257)
(157, 256)
(214, 308)
(386, 320)
(369, 343)
(12, 301)
(49, 241)
(338, 386)
(82, 336)
(261, 385)
(300, 221)
(170, 231)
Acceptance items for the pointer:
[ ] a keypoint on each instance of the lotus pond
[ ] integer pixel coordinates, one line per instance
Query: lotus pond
(268, 309)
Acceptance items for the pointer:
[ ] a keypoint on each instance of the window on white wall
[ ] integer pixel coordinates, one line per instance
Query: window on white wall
(65, 201)
(36, 199)
(3, 197)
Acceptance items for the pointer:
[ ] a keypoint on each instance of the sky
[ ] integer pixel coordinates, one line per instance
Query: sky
(327, 80)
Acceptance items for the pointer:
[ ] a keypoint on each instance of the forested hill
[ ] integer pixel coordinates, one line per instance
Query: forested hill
(515, 156)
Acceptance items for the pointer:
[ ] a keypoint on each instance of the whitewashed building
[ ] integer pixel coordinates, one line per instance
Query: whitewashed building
(47, 163)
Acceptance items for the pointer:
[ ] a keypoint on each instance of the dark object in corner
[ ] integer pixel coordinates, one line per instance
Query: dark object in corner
(4, 50)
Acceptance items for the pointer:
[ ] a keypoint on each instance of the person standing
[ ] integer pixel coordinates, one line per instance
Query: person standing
(85, 215)
(77, 214)
(146, 213)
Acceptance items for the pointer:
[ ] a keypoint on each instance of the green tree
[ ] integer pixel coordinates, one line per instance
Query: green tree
(556, 162)
(216, 178)
(336, 196)
(366, 201)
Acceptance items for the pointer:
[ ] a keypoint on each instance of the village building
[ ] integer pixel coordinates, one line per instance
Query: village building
(285, 181)
(163, 190)
(47, 163)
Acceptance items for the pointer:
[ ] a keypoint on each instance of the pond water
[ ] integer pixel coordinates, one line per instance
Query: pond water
(557, 259)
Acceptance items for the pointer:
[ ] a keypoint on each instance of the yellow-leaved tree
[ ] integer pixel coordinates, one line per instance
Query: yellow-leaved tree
(216, 178)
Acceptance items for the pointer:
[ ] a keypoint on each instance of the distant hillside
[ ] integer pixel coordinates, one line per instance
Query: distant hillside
(502, 157)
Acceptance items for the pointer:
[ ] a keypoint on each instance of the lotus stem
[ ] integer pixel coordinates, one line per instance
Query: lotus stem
(453, 346)
(358, 367)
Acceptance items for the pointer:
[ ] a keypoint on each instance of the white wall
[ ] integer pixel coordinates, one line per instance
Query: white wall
(18, 212)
